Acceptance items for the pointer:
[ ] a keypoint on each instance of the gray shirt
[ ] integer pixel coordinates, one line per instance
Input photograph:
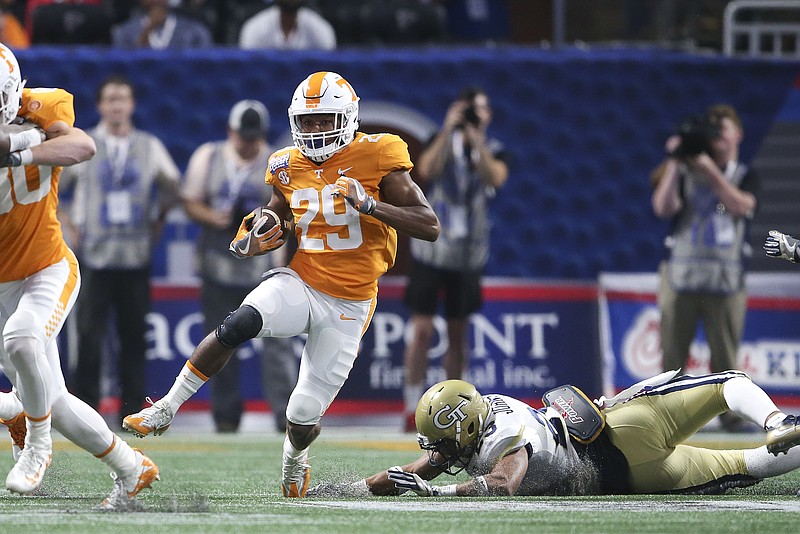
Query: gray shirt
(263, 30)
(118, 196)
(220, 179)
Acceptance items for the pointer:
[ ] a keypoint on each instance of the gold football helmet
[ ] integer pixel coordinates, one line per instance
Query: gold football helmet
(450, 419)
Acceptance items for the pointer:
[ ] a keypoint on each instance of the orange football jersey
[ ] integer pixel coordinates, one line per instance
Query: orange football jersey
(340, 252)
(30, 234)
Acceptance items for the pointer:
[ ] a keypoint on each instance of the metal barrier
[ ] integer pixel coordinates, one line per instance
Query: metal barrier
(762, 28)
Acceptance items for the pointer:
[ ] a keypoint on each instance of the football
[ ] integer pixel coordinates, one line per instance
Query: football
(265, 219)
(255, 235)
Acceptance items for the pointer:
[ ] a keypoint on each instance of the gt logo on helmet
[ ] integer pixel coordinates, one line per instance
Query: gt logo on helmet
(447, 417)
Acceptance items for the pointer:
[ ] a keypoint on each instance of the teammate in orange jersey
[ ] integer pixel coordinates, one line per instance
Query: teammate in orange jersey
(345, 194)
(39, 281)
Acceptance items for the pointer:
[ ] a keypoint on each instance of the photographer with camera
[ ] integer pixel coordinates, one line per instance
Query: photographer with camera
(224, 181)
(460, 169)
(710, 197)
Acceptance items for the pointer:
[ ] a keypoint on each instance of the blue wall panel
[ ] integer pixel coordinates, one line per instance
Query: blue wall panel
(583, 128)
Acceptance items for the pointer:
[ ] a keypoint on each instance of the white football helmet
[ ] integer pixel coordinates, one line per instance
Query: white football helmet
(11, 84)
(324, 93)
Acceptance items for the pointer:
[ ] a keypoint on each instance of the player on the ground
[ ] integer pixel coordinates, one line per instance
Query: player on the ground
(346, 194)
(39, 282)
(510, 448)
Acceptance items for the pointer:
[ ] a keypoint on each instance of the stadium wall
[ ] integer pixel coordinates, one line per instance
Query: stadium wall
(582, 129)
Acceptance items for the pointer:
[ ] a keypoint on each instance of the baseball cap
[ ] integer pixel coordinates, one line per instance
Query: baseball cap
(249, 118)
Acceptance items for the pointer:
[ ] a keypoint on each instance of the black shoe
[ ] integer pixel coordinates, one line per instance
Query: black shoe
(731, 423)
(227, 427)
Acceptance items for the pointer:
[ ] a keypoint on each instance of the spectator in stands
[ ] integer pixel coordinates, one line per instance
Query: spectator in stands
(461, 169)
(159, 27)
(70, 23)
(224, 182)
(119, 201)
(402, 22)
(32, 5)
(710, 197)
(12, 33)
(287, 25)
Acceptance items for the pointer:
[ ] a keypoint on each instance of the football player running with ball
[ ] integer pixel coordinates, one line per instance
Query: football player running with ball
(633, 444)
(345, 194)
(39, 282)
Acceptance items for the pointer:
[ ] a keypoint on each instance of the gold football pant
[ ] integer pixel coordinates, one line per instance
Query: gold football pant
(650, 430)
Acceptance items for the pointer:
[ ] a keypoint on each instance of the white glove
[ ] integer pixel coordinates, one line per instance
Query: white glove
(780, 245)
(405, 481)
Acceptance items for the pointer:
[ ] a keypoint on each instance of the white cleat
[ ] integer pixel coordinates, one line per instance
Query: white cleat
(126, 488)
(296, 475)
(154, 419)
(28, 472)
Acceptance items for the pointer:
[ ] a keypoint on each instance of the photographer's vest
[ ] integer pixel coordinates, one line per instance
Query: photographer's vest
(116, 200)
(240, 190)
(708, 243)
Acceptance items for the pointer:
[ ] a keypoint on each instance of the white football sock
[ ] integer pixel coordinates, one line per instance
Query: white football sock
(748, 401)
(290, 451)
(120, 457)
(763, 464)
(38, 436)
(186, 384)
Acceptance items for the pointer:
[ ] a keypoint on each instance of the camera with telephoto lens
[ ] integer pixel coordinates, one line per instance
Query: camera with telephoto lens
(696, 133)
(471, 116)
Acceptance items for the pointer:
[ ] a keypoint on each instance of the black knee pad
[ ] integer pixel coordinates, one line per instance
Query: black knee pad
(239, 326)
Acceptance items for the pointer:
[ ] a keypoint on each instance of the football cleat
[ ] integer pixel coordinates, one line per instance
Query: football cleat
(783, 437)
(18, 429)
(123, 496)
(155, 419)
(296, 475)
(28, 472)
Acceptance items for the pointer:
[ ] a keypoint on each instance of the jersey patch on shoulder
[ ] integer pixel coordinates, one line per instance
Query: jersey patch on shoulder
(279, 162)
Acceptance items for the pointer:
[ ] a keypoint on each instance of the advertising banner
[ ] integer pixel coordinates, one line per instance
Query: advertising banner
(770, 348)
(528, 337)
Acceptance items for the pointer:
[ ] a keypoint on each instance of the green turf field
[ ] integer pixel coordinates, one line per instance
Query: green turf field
(229, 483)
